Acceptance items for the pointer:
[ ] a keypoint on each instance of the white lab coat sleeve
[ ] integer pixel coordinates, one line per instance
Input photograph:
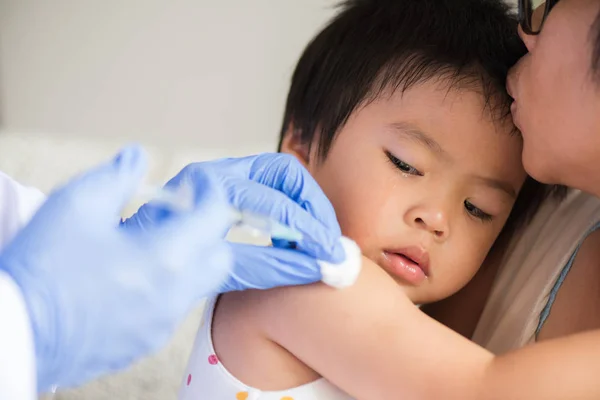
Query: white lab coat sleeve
(17, 355)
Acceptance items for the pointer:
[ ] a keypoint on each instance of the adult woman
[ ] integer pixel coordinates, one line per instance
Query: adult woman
(557, 107)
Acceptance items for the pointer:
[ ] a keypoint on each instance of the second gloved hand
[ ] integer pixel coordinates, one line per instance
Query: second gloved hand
(100, 297)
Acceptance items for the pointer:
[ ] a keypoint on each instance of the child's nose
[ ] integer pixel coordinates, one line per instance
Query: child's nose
(434, 221)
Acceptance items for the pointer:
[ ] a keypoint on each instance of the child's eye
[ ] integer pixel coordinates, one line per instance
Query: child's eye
(402, 166)
(477, 212)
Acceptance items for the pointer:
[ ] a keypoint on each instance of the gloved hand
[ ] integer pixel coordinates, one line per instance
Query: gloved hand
(100, 297)
(276, 185)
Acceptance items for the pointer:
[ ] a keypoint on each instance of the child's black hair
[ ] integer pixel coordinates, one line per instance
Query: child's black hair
(377, 46)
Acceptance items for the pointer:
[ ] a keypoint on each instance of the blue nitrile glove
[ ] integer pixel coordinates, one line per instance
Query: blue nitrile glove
(276, 185)
(100, 297)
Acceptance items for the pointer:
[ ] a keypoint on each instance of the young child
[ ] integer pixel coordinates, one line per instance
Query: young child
(398, 109)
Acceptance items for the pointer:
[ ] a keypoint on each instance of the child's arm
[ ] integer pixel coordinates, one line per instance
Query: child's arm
(373, 343)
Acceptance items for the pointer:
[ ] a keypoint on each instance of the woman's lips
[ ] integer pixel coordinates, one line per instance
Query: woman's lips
(410, 264)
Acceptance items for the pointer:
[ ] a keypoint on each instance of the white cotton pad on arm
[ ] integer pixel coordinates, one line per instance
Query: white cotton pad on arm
(346, 273)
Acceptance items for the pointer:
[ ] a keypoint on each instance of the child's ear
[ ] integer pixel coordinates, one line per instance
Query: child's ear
(292, 144)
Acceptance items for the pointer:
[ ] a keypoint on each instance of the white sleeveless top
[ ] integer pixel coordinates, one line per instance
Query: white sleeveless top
(534, 267)
(207, 378)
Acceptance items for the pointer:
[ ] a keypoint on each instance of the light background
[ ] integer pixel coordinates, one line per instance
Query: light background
(182, 72)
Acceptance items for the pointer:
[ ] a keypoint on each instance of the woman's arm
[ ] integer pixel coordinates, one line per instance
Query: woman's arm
(372, 342)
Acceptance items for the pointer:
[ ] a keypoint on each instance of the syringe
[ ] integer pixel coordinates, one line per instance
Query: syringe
(182, 199)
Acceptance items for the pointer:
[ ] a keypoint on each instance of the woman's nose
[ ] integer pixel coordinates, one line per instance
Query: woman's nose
(529, 40)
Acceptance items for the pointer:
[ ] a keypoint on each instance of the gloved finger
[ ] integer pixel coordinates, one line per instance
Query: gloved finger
(257, 267)
(205, 277)
(318, 240)
(197, 269)
(199, 279)
(285, 174)
(179, 239)
(194, 183)
(102, 192)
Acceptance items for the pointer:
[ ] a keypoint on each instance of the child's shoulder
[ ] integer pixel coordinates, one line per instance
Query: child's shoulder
(247, 325)
(240, 320)
(266, 339)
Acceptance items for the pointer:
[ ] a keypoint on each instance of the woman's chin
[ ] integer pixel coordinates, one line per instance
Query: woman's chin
(539, 166)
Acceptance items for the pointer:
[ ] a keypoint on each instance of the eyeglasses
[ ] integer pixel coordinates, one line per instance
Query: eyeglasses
(533, 13)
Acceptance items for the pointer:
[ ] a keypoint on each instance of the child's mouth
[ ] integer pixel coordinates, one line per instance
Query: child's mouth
(411, 264)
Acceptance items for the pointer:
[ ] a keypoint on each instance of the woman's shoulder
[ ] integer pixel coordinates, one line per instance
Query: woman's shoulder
(559, 223)
(576, 307)
(532, 271)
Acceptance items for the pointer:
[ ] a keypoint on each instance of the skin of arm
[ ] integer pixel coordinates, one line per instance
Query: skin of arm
(373, 343)
(577, 305)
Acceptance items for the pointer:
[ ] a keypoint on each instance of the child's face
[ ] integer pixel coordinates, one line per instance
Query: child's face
(426, 175)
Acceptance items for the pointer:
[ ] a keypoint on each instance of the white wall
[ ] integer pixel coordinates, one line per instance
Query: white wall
(183, 72)
(193, 72)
